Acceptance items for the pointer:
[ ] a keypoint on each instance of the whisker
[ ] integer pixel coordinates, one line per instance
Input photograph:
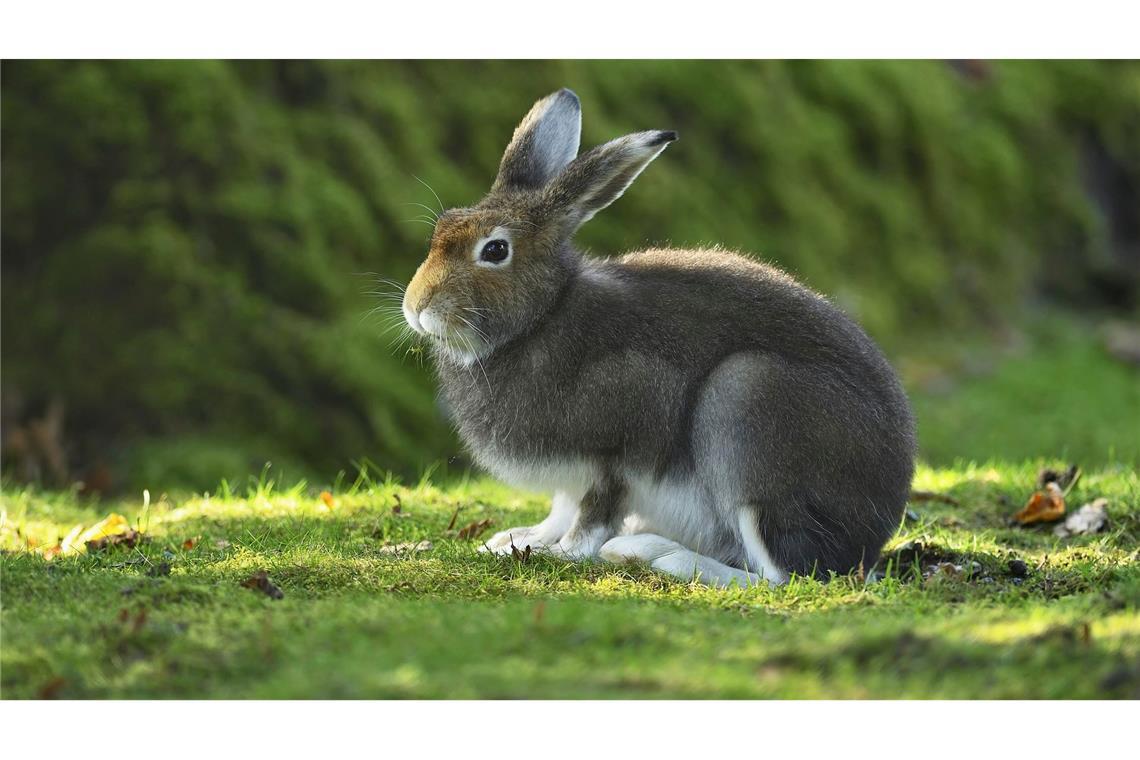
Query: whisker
(433, 192)
(430, 210)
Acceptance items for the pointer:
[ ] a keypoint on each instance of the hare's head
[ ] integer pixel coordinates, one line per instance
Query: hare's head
(495, 268)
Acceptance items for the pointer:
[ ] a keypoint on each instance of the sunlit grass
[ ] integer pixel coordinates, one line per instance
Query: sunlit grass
(360, 621)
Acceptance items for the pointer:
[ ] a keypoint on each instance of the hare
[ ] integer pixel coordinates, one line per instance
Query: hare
(691, 409)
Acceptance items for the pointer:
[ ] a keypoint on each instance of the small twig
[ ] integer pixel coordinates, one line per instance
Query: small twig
(932, 496)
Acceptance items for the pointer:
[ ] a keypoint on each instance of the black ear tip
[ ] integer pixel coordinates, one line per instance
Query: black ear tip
(664, 136)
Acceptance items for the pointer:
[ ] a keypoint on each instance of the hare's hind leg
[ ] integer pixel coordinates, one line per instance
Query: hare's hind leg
(563, 511)
(670, 557)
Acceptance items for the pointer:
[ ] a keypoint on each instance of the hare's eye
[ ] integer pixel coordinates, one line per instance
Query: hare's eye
(495, 252)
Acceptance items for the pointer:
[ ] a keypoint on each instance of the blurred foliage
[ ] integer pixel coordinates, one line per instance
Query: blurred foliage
(184, 242)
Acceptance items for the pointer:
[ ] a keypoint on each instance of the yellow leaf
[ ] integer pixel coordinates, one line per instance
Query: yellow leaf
(70, 543)
(111, 525)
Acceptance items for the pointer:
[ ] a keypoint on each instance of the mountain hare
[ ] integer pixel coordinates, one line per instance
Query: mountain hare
(691, 409)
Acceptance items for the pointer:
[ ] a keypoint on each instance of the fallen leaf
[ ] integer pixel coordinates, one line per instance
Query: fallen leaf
(110, 531)
(520, 556)
(409, 547)
(190, 543)
(1090, 518)
(259, 581)
(1047, 505)
(474, 529)
(328, 499)
(68, 545)
(130, 539)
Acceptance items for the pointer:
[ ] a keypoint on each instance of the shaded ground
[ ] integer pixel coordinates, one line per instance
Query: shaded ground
(358, 620)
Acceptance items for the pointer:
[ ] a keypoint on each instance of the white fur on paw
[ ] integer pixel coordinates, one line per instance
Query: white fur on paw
(581, 544)
(672, 558)
(645, 547)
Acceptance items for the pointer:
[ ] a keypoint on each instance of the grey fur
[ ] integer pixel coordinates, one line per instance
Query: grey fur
(699, 367)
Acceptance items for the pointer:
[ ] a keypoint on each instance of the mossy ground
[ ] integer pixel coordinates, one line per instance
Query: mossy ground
(357, 620)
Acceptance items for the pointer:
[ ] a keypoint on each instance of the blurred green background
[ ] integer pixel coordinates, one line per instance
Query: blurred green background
(186, 246)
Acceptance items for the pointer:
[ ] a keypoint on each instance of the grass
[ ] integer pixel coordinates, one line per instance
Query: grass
(358, 621)
(171, 618)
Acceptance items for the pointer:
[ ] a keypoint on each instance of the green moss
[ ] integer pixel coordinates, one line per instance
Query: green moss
(357, 621)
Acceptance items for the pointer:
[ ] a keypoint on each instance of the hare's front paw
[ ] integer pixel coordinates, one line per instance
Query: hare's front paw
(520, 538)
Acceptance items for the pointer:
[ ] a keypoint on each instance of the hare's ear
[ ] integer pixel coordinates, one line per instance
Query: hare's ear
(544, 142)
(596, 179)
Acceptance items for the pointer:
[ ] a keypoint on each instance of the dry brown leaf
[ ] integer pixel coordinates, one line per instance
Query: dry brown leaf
(521, 556)
(129, 539)
(328, 499)
(110, 531)
(1047, 505)
(474, 529)
(190, 543)
(259, 581)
